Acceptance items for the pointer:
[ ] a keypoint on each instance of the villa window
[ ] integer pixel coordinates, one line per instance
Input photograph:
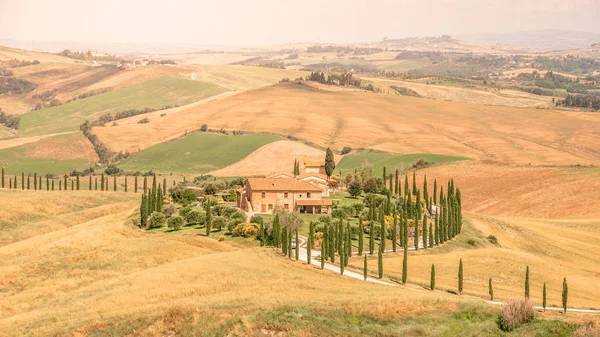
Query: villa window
(263, 194)
(270, 207)
(286, 206)
(308, 195)
(285, 194)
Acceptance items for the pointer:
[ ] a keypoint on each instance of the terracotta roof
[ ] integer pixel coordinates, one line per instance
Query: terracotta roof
(312, 174)
(314, 202)
(281, 184)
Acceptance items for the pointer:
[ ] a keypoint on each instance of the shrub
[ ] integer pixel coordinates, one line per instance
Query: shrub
(195, 216)
(169, 210)
(112, 170)
(219, 222)
(144, 120)
(184, 211)
(471, 242)
(175, 222)
(245, 229)
(493, 240)
(516, 313)
(156, 220)
(204, 128)
(346, 150)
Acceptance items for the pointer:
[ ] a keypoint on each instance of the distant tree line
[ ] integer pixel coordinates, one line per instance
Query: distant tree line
(10, 121)
(581, 101)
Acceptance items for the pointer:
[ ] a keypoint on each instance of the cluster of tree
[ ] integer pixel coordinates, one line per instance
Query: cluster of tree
(10, 121)
(568, 64)
(105, 155)
(581, 101)
(343, 49)
(152, 204)
(15, 86)
(16, 64)
(342, 79)
(261, 61)
(161, 62)
(90, 94)
(41, 105)
(72, 181)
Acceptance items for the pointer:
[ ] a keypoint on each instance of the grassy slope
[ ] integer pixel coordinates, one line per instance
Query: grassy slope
(197, 153)
(102, 277)
(30, 158)
(391, 161)
(156, 93)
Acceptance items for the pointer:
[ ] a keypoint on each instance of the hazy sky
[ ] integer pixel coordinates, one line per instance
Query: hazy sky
(260, 22)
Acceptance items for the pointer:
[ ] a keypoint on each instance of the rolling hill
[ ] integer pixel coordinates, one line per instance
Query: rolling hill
(383, 122)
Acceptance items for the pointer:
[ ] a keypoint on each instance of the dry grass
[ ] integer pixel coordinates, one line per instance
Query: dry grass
(395, 124)
(280, 155)
(100, 270)
(68, 146)
(522, 191)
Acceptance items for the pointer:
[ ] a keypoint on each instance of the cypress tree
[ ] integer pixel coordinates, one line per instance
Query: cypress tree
(164, 186)
(329, 162)
(114, 183)
(143, 215)
(401, 229)
(365, 270)
(60, 185)
(416, 243)
(432, 278)
(361, 235)
(297, 246)
(102, 183)
(397, 191)
(209, 219)
(15, 182)
(380, 263)
(289, 241)
(325, 243)
(394, 230)
(435, 191)
(414, 183)
(491, 290)
(40, 182)
(126, 184)
(261, 234)
(349, 242)
(65, 184)
(343, 256)
(22, 180)
(565, 294)
(406, 190)
(383, 234)
(145, 183)
(384, 178)
(90, 187)
(53, 184)
(372, 238)
(425, 191)
(284, 244)
(544, 297)
(405, 242)
(135, 185)
(527, 283)
(28, 181)
(425, 244)
(276, 231)
(72, 185)
(35, 187)
(460, 277)
(95, 183)
(331, 248)
(159, 199)
(431, 240)
(311, 234)
(405, 264)
(3, 177)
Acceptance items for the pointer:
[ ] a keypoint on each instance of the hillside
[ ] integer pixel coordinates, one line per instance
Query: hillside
(147, 283)
(547, 39)
(384, 122)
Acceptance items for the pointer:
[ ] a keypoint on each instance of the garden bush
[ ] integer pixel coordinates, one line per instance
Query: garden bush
(157, 219)
(516, 313)
(175, 222)
(246, 230)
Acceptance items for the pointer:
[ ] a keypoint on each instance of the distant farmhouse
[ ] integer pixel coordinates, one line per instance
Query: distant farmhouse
(303, 193)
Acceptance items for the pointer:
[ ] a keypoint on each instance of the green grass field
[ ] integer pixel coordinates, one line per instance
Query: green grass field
(156, 93)
(391, 161)
(406, 65)
(196, 153)
(17, 159)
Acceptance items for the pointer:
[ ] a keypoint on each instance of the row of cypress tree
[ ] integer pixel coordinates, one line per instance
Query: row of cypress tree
(152, 200)
(35, 182)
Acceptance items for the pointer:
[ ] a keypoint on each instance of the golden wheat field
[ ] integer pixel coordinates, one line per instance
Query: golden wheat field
(78, 266)
(384, 122)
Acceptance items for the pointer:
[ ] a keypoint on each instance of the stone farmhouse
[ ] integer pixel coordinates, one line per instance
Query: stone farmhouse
(264, 195)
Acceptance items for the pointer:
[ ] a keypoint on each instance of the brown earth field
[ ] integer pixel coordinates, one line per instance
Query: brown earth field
(384, 122)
